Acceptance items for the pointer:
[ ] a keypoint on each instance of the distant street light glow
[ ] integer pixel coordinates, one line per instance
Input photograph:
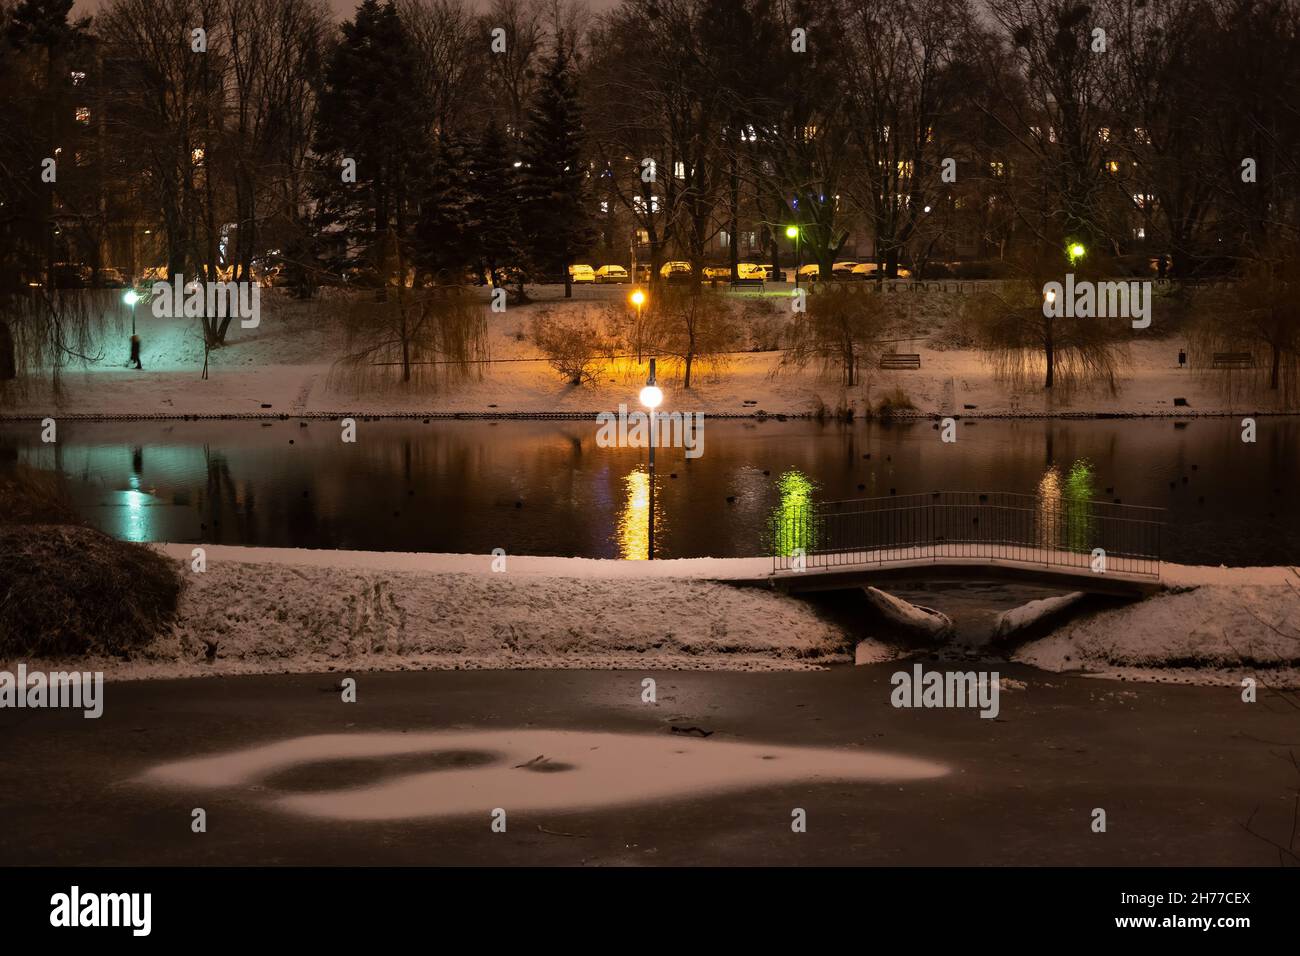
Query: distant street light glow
(638, 298)
(652, 396)
(131, 297)
(791, 232)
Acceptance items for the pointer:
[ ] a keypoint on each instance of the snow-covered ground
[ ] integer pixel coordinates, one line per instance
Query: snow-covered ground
(259, 610)
(266, 610)
(284, 367)
(1212, 633)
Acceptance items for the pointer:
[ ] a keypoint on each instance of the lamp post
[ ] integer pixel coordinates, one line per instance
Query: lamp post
(792, 232)
(131, 297)
(1076, 251)
(651, 397)
(638, 299)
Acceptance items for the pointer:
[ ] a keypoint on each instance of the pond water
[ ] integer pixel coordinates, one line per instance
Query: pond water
(546, 487)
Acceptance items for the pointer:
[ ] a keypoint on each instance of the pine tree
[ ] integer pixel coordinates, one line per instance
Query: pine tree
(447, 232)
(369, 111)
(496, 203)
(555, 221)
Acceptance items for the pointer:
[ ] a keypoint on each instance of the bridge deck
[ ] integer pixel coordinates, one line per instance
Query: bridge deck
(1124, 576)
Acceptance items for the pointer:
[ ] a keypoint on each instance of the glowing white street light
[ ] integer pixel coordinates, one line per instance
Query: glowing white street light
(652, 397)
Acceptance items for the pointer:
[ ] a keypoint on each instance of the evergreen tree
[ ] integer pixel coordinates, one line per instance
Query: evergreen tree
(447, 231)
(370, 111)
(496, 203)
(555, 221)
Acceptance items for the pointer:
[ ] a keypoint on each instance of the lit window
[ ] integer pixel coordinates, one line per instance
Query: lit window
(1112, 166)
(604, 206)
(196, 156)
(1103, 134)
(996, 169)
(83, 114)
(78, 77)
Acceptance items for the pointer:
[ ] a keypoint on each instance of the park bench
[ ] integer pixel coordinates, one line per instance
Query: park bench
(900, 360)
(1234, 360)
(747, 283)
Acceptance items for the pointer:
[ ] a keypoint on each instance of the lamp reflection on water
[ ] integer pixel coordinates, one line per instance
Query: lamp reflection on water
(1064, 514)
(634, 517)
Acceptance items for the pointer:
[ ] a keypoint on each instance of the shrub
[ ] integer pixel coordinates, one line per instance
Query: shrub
(574, 347)
(66, 589)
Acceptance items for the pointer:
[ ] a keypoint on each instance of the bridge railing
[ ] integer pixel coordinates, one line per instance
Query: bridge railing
(1026, 529)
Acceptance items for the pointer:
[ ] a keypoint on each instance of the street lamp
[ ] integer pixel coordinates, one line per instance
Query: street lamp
(652, 397)
(637, 298)
(792, 232)
(1076, 252)
(131, 297)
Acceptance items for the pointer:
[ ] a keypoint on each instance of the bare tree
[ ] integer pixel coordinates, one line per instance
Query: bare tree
(841, 330)
(429, 336)
(1020, 337)
(691, 326)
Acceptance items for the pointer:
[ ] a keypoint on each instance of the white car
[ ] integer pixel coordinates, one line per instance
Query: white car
(606, 274)
(751, 270)
(866, 269)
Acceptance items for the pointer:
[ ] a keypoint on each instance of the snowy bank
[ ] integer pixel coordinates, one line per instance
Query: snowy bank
(283, 367)
(266, 611)
(1215, 633)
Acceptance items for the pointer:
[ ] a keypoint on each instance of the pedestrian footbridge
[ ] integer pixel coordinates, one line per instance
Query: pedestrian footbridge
(1077, 544)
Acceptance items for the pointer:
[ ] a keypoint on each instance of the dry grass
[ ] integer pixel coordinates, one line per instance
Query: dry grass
(66, 589)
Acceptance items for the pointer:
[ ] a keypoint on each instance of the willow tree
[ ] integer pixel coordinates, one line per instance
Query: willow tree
(1022, 339)
(841, 329)
(415, 336)
(1259, 314)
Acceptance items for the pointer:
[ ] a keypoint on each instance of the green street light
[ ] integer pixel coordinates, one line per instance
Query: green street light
(131, 297)
(1076, 252)
(792, 232)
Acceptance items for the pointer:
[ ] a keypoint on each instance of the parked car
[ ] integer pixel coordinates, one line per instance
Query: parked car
(810, 271)
(581, 273)
(677, 269)
(751, 270)
(610, 274)
(110, 278)
(868, 270)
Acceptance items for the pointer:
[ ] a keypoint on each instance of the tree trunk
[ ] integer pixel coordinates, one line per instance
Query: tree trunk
(1274, 372)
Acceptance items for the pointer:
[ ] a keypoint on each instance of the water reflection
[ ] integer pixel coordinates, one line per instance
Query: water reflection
(1064, 510)
(791, 528)
(545, 488)
(634, 517)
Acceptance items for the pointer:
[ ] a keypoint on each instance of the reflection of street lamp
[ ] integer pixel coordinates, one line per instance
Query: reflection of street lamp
(792, 232)
(638, 299)
(651, 397)
(131, 297)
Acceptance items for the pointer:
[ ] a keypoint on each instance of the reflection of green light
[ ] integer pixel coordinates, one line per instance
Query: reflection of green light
(134, 527)
(792, 523)
(1078, 484)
